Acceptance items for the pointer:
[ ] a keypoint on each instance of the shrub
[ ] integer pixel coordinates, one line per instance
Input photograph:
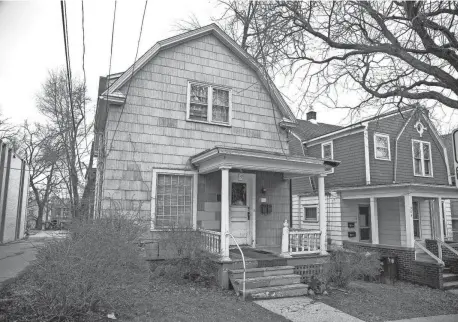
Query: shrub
(185, 257)
(345, 266)
(92, 271)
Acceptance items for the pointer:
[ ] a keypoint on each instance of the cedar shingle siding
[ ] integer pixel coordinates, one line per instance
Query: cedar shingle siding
(153, 131)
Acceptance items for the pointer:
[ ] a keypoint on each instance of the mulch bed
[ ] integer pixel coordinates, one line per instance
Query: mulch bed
(381, 302)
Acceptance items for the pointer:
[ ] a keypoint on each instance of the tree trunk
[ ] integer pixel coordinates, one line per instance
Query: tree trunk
(39, 220)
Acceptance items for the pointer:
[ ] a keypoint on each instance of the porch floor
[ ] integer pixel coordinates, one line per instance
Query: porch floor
(252, 253)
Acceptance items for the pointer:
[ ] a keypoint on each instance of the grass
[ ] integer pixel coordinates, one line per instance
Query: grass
(156, 300)
(381, 302)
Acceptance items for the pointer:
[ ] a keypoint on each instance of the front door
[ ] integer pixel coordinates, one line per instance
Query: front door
(364, 221)
(242, 198)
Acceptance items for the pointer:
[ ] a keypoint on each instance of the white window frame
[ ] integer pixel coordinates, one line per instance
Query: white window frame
(332, 153)
(194, 175)
(210, 88)
(431, 175)
(310, 220)
(382, 135)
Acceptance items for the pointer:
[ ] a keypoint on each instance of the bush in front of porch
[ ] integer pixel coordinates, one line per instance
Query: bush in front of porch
(345, 266)
(184, 257)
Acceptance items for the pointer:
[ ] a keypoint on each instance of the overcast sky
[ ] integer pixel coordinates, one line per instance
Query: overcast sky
(31, 41)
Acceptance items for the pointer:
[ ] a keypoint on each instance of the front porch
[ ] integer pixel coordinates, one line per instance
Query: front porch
(243, 199)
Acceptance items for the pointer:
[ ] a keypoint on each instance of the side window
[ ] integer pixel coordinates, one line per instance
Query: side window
(382, 147)
(327, 152)
(310, 213)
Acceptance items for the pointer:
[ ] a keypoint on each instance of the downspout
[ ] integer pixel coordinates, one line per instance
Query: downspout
(396, 148)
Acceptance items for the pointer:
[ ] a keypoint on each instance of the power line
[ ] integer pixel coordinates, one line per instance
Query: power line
(84, 72)
(131, 76)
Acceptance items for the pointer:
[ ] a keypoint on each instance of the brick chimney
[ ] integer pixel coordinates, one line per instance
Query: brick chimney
(311, 116)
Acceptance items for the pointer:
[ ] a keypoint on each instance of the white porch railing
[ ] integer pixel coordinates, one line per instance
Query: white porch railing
(211, 240)
(441, 244)
(423, 248)
(297, 242)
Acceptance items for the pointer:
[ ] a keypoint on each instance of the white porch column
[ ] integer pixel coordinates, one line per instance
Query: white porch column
(225, 213)
(374, 220)
(441, 217)
(322, 210)
(410, 237)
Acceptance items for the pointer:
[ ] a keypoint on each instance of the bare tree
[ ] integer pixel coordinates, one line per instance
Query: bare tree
(38, 144)
(395, 53)
(8, 131)
(65, 108)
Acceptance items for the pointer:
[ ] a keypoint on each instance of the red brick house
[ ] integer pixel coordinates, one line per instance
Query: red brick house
(393, 189)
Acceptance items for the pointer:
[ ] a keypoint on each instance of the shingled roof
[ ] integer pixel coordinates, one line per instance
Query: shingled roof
(307, 130)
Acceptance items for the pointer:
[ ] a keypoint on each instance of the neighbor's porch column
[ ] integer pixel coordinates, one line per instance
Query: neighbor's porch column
(322, 210)
(408, 212)
(441, 218)
(374, 220)
(225, 213)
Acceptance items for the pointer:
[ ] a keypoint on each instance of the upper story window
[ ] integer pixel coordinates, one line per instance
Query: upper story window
(327, 152)
(208, 103)
(421, 152)
(382, 146)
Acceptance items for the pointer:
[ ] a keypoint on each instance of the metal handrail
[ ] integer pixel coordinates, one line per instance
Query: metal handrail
(438, 260)
(243, 260)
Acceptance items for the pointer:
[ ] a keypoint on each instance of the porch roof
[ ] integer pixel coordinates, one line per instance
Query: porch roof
(397, 190)
(249, 159)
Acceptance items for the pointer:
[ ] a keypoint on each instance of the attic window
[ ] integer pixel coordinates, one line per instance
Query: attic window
(209, 104)
(382, 146)
(421, 152)
(327, 152)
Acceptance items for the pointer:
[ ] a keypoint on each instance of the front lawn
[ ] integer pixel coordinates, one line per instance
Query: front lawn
(381, 302)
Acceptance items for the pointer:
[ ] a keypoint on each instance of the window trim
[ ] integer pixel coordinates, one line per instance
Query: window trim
(210, 88)
(304, 219)
(383, 135)
(194, 175)
(431, 175)
(332, 153)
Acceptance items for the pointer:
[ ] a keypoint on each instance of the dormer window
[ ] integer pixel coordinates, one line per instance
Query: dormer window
(209, 104)
(382, 146)
(421, 153)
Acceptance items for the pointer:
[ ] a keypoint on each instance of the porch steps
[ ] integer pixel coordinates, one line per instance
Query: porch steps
(268, 282)
(450, 279)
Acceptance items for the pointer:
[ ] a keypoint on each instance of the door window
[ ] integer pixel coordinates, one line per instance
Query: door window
(238, 194)
(416, 219)
(364, 223)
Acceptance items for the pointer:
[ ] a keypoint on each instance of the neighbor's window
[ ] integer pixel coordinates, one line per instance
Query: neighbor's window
(382, 146)
(327, 152)
(173, 200)
(422, 165)
(310, 213)
(416, 219)
(207, 103)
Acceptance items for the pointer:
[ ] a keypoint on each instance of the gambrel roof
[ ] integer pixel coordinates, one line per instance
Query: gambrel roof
(114, 90)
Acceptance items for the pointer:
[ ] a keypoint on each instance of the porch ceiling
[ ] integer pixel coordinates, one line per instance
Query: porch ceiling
(220, 157)
(398, 190)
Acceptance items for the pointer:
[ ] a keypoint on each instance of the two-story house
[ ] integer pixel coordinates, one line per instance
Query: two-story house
(392, 191)
(195, 135)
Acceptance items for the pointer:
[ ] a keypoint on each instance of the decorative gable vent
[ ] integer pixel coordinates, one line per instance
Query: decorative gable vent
(420, 128)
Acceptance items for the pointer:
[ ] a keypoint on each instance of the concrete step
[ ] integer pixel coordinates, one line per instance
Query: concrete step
(266, 281)
(446, 270)
(451, 285)
(261, 271)
(276, 291)
(424, 258)
(449, 277)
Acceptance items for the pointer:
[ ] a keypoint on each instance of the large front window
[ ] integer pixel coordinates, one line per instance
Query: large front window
(422, 165)
(207, 103)
(174, 200)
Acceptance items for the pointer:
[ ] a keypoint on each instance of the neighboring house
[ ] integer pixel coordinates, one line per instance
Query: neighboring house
(14, 184)
(393, 186)
(59, 212)
(448, 140)
(194, 135)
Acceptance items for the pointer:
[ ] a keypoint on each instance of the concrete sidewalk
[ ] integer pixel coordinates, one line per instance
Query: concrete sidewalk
(437, 318)
(16, 256)
(305, 309)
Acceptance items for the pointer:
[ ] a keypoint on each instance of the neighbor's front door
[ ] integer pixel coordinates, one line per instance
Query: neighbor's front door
(241, 207)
